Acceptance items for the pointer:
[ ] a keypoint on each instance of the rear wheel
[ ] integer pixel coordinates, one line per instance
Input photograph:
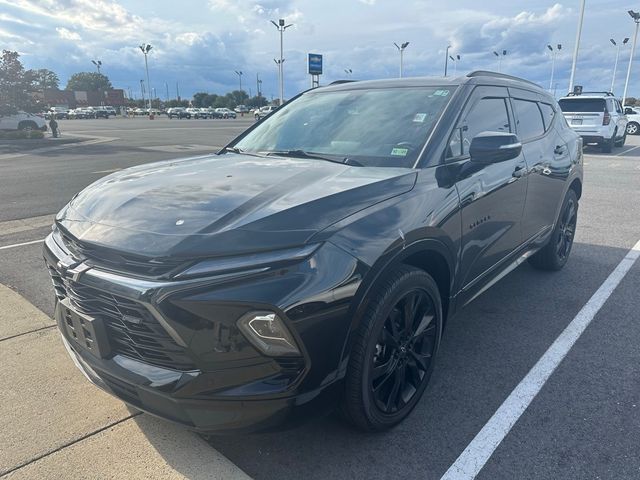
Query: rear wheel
(607, 145)
(393, 354)
(27, 126)
(633, 128)
(622, 141)
(556, 253)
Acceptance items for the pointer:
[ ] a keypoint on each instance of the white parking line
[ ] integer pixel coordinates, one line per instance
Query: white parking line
(21, 244)
(627, 151)
(62, 146)
(478, 452)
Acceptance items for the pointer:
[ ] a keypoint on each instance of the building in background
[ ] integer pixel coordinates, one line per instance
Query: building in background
(73, 99)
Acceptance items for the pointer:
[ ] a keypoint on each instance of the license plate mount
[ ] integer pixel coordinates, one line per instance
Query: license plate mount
(83, 331)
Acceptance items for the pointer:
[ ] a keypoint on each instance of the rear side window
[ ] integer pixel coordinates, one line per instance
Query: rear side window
(530, 124)
(547, 114)
(582, 105)
(489, 114)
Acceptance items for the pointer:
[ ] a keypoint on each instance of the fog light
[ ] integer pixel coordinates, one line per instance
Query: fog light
(268, 333)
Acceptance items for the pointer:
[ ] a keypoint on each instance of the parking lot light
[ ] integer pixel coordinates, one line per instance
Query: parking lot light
(455, 61)
(239, 73)
(281, 28)
(499, 56)
(636, 18)
(615, 65)
(348, 72)
(401, 50)
(576, 47)
(98, 64)
(554, 53)
(146, 48)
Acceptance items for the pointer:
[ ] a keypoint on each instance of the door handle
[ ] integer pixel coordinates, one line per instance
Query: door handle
(559, 150)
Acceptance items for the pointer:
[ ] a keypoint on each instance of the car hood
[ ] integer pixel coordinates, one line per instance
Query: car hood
(224, 204)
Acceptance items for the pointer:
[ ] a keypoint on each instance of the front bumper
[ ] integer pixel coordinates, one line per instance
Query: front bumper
(224, 385)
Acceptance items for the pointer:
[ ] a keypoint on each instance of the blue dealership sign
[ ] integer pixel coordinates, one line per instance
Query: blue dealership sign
(315, 64)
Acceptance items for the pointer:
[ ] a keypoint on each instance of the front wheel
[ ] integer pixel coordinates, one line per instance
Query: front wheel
(394, 349)
(633, 128)
(555, 254)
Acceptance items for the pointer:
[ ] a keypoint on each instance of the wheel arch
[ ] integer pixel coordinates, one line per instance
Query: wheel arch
(576, 186)
(429, 255)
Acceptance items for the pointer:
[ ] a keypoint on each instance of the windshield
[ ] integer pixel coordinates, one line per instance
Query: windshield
(582, 105)
(378, 127)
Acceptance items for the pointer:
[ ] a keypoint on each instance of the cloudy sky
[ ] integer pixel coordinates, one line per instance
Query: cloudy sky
(200, 43)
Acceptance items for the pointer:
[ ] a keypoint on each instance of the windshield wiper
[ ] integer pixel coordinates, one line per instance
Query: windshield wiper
(233, 149)
(317, 156)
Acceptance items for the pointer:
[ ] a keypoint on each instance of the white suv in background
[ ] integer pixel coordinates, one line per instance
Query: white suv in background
(597, 117)
(23, 121)
(633, 115)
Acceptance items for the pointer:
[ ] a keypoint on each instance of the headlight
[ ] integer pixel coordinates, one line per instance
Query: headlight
(268, 333)
(261, 260)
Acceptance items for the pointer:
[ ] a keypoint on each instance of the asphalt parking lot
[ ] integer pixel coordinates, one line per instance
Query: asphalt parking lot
(584, 422)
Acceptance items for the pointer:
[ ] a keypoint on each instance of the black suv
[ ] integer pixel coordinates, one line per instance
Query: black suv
(315, 260)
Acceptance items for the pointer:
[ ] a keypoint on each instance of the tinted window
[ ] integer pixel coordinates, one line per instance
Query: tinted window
(489, 114)
(377, 127)
(530, 123)
(547, 114)
(582, 105)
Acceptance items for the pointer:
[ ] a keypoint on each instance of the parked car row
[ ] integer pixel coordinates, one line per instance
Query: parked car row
(80, 112)
(192, 112)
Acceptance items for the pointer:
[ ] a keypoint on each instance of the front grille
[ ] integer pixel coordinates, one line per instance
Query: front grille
(118, 261)
(132, 330)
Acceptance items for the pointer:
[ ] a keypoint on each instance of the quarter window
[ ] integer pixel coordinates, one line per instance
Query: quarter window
(547, 114)
(489, 114)
(530, 124)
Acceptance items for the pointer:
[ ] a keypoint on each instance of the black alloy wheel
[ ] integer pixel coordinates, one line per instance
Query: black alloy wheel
(403, 353)
(567, 229)
(393, 350)
(555, 254)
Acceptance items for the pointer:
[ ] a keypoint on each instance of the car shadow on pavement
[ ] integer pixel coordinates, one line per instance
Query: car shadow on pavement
(486, 350)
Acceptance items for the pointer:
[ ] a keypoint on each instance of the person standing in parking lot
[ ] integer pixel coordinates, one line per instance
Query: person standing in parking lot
(53, 125)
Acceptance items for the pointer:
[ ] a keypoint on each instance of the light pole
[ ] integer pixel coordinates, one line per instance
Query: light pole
(348, 72)
(455, 61)
(615, 65)
(636, 18)
(401, 50)
(146, 48)
(576, 47)
(98, 64)
(281, 28)
(239, 73)
(554, 54)
(142, 90)
(504, 54)
(446, 60)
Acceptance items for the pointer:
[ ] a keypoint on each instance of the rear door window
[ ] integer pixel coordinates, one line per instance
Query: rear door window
(529, 119)
(582, 105)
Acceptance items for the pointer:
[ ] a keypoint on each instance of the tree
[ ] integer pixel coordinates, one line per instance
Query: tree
(88, 81)
(43, 79)
(15, 85)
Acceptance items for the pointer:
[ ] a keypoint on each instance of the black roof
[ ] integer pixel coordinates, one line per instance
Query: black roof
(478, 77)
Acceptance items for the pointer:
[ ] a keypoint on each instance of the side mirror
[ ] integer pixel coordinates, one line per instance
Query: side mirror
(494, 147)
(628, 111)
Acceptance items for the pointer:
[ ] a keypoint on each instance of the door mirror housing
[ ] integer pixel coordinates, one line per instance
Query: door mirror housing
(628, 111)
(494, 147)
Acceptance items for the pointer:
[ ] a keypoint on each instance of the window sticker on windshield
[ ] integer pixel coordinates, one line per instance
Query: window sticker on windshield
(400, 152)
(441, 93)
(420, 117)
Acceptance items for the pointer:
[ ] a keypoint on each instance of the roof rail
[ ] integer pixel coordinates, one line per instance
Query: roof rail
(338, 82)
(606, 94)
(487, 73)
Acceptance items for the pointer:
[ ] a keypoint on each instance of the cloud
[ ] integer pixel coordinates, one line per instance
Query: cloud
(201, 47)
(67, 34)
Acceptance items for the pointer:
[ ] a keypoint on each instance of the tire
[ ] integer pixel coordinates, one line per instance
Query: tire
(633, 128)
(607, 145)
(257, 117)
(391, 360)
(622, 141)
(555, 254)
(27, 125)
